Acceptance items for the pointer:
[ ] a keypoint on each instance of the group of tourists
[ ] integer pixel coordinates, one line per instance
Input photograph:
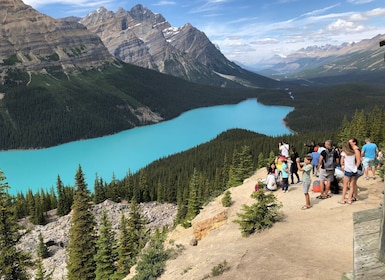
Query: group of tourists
(325, 161)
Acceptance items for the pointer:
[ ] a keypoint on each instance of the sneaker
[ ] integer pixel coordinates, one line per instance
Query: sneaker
(374, 177)
(366, 178)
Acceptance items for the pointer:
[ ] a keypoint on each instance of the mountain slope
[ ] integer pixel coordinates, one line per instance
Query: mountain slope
(58, 83)
(146, 39)
(32, 41)
(363, 60)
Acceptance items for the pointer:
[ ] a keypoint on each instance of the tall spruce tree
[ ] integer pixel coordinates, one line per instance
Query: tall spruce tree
(82, 238)
(194, 201)
(106, 255)
(138, 234)
(153, 260)
(123, 264)
(13, 262)
(99, 191)
(42, 253)
(42, 249)
(65, 198)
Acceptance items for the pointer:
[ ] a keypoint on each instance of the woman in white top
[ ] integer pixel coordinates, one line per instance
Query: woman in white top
(349, 164)
(271, 184)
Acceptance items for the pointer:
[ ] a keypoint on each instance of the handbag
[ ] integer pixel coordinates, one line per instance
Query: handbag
(360, 170)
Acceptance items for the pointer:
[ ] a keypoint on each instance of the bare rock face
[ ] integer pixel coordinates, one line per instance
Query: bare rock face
(55, 233)
(209, 220)
(33, 41)
(148, 40)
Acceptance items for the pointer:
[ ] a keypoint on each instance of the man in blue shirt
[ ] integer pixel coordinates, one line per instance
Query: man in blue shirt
(369, 153)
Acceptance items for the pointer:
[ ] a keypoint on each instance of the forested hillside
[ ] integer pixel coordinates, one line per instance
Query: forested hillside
(189, 180)
(44, 110)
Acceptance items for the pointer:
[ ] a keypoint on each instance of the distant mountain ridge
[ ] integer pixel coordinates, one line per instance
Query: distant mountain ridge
(361, 58)
(148, 40)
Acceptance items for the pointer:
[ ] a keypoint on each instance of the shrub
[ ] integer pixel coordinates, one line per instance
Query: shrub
(226, 200)
(220, 268)
(261, 215)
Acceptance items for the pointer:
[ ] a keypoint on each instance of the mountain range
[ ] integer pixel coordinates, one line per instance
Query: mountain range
(59, 83)
(363, 60)
(78, 78)
(148, 40)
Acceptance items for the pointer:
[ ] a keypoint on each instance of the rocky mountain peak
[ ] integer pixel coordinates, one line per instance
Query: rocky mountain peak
(33, 41)
(146, 39)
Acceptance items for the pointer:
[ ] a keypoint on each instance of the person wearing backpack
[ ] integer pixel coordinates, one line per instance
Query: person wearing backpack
(327, 163)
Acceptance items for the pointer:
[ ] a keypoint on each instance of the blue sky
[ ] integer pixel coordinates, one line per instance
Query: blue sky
(248, 31)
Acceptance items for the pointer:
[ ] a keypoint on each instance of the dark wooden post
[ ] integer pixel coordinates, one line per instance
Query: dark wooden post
(381, 254)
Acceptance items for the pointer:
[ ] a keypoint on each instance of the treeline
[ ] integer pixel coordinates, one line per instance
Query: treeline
(323, 107)
(54, 109)
(189, 179)
(213, 166)
(92, 253)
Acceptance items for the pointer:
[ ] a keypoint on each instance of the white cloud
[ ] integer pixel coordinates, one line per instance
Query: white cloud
(360, 1)
(344, 26)
(80, 3)
(264, 41)
(165, 3)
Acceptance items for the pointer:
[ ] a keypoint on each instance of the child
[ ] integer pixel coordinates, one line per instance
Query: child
(306, 180)
(285, 175)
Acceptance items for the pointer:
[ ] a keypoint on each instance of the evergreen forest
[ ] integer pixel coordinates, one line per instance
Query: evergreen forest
(189, 179)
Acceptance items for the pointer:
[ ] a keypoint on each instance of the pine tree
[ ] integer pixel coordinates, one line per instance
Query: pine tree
(261, 215)
(99, 192)
(194, 202)
(152, 262)
(246, 166)
(241, 166)
(81, 247)
(124, 254)
(13, 262)
(106, 256)
(42, 249)
(64, 202)
(138, 233)
(234, 176)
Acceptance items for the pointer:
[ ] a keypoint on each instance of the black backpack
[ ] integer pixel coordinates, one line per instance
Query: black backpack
(329, 162)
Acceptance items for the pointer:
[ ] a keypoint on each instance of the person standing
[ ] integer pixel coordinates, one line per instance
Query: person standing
(369, 154)
(284, 149)
(293, 166)
(285, 176)
(314, 162)
(306, 180)
(354, 144)
(349, 164)
(327, 163)
(311, 146)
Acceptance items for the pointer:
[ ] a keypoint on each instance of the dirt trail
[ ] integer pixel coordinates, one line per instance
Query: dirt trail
(308, 244)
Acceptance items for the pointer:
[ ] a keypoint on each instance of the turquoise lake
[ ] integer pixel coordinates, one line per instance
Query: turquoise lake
(133, 149)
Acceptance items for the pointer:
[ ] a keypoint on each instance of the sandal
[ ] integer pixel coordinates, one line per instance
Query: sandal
(354, 199)
(349, 202)
(305, 207)
(341, 202)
